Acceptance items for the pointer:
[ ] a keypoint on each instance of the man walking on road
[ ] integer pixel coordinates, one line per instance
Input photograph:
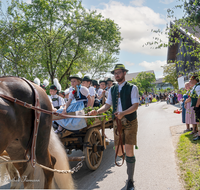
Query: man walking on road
(124, 98)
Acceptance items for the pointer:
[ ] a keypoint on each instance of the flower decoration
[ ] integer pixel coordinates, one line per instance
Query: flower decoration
(74, 91)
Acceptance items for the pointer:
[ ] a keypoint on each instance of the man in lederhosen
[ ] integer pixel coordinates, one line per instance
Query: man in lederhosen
(195, 101)
(124, 98)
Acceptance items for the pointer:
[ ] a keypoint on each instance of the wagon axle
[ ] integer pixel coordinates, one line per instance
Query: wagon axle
(95, 148)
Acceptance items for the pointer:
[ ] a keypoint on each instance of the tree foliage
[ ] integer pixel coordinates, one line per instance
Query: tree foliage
(170, 75)
(144, 81)
(55, 38)
(183, 34)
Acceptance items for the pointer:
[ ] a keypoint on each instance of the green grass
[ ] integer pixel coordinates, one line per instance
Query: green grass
(188, 153)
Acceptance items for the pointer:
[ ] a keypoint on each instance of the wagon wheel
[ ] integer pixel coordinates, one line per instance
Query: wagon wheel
(93, 159)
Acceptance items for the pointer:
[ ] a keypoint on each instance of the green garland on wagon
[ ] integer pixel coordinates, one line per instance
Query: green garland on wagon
(108, 115)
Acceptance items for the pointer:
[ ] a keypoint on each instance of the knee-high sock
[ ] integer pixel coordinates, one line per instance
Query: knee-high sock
(130, 162)
(198, 125)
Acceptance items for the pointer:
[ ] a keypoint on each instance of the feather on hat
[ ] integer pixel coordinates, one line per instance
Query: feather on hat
(57, 84)
(45, 83)
(37, 81)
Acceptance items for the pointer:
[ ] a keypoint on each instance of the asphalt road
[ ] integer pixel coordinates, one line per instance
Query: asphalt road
(155, 159)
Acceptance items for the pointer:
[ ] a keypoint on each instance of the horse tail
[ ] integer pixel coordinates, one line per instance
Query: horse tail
(56, 149)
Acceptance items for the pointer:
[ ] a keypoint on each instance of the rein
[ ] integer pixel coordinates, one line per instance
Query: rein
(120, 143)
(30, 106)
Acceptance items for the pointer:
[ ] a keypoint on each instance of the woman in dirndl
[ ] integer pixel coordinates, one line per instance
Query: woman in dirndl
(185, 97)
(79, 98)
(190, 114)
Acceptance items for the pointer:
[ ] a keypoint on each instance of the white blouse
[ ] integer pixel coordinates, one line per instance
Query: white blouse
(92, 91)
(84, 91)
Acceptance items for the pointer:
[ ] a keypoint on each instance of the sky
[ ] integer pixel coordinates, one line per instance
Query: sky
(136, 19)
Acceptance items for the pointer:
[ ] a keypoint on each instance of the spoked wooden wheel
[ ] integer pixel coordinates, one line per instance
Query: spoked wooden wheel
(93, 157)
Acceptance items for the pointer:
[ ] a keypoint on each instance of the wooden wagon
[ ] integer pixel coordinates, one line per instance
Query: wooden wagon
(91, 140)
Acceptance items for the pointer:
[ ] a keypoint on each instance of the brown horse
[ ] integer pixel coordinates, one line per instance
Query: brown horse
(16, 126)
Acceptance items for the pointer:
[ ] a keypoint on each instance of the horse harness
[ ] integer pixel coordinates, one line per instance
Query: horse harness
(38, 111)
(36, 120)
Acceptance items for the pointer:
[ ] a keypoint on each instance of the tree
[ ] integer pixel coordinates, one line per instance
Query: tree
(170, 75)
(190, 23)
(97, 64)
(144, 81)
(53, 37)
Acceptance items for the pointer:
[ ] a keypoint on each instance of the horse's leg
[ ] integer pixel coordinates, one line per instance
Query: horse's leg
(47, 160)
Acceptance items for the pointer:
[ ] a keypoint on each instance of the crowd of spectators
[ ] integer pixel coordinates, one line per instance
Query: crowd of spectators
(189, 116)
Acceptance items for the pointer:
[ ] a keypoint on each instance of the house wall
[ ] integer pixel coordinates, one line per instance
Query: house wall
(164, 86)
(185, 63)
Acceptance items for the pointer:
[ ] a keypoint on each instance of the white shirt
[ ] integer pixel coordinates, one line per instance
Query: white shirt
(134, 97)
(59, 102)
(70, 89)
(84, 91)
(107, 92)
(100, 92)
(92, 91)
(197, 89)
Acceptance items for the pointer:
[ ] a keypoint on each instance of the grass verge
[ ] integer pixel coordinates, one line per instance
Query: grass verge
(188, 152)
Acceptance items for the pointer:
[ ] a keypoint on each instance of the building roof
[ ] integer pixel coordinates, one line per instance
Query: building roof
(193, 33)
(130, 76)
(159, 80)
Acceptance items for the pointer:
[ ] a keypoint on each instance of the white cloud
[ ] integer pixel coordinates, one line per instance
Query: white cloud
(129, 63)
(166, 1)
(28, 1)
(156, 65)
(136, 24)
(137, 3)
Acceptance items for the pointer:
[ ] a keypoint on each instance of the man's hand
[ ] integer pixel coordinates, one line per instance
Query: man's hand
(93, 112)
(119, 115)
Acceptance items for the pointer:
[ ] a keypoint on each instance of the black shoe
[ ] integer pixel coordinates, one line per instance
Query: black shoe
(130, 185)
(55, 125)
(197, 138)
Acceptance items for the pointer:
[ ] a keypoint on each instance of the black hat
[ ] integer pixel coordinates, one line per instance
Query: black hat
(75, 77)
(53, 87)
(119, 66)
(94, 82)
(102, 81)
(86, 78)
(62, 92)
(43, 86)
(109, 79)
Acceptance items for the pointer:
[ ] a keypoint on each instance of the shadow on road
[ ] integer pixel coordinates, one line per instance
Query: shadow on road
(87, 179)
